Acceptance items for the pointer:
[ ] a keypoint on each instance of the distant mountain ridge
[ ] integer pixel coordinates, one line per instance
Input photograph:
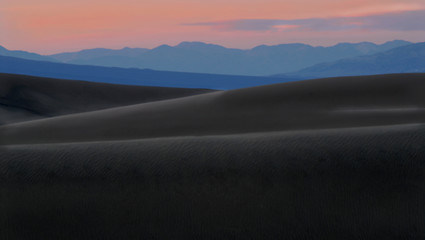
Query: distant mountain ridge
(295, 61)
(210, 58)
(25, 55)
(97, 53)
(138, 77)
(405, 59)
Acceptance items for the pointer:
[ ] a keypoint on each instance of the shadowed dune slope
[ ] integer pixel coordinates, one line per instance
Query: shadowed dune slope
(337, 158)
(25, 98)
(313, 104)
(359, 183)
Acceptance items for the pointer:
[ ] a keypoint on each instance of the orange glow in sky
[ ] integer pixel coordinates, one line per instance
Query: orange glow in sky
(51, 26)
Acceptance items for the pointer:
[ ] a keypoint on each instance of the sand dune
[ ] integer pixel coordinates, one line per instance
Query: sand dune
(25, 98)
(338, 158)
(311, 104)
(358, 183)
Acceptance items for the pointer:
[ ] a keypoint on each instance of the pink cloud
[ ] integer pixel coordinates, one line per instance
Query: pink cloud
(399, 21)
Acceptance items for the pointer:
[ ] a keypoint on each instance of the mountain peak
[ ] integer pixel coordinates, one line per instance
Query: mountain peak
(163, 46)
(395, 43)
(191, 44)
(197, 45)
(398, 41)
(348, 44)
(282, 46)
(94, 50)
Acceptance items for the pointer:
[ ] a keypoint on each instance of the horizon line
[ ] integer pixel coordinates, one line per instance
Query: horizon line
(209, 43)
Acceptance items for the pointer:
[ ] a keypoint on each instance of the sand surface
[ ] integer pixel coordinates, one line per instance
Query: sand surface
(310, 104)
(24, 98)
(339, 158)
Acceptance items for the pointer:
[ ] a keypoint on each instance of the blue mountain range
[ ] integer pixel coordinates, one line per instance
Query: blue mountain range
(403, 59)
(132, 76)
(209, 58)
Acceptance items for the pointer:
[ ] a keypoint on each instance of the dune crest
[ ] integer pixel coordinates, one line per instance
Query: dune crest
(311, 104)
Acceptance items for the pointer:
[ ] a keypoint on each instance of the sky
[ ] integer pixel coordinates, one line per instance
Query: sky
(53, 26)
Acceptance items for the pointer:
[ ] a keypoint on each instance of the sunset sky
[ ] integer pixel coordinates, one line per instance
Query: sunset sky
(52, 26)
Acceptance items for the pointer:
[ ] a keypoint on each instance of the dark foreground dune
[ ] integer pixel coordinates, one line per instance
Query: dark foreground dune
(359, 183)
(24, 98)
(340, 158)
(312, 104)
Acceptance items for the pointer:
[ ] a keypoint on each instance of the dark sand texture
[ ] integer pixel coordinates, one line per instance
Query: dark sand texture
(340, 158)
(359, 183)
(312, 104)
(24, 98)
